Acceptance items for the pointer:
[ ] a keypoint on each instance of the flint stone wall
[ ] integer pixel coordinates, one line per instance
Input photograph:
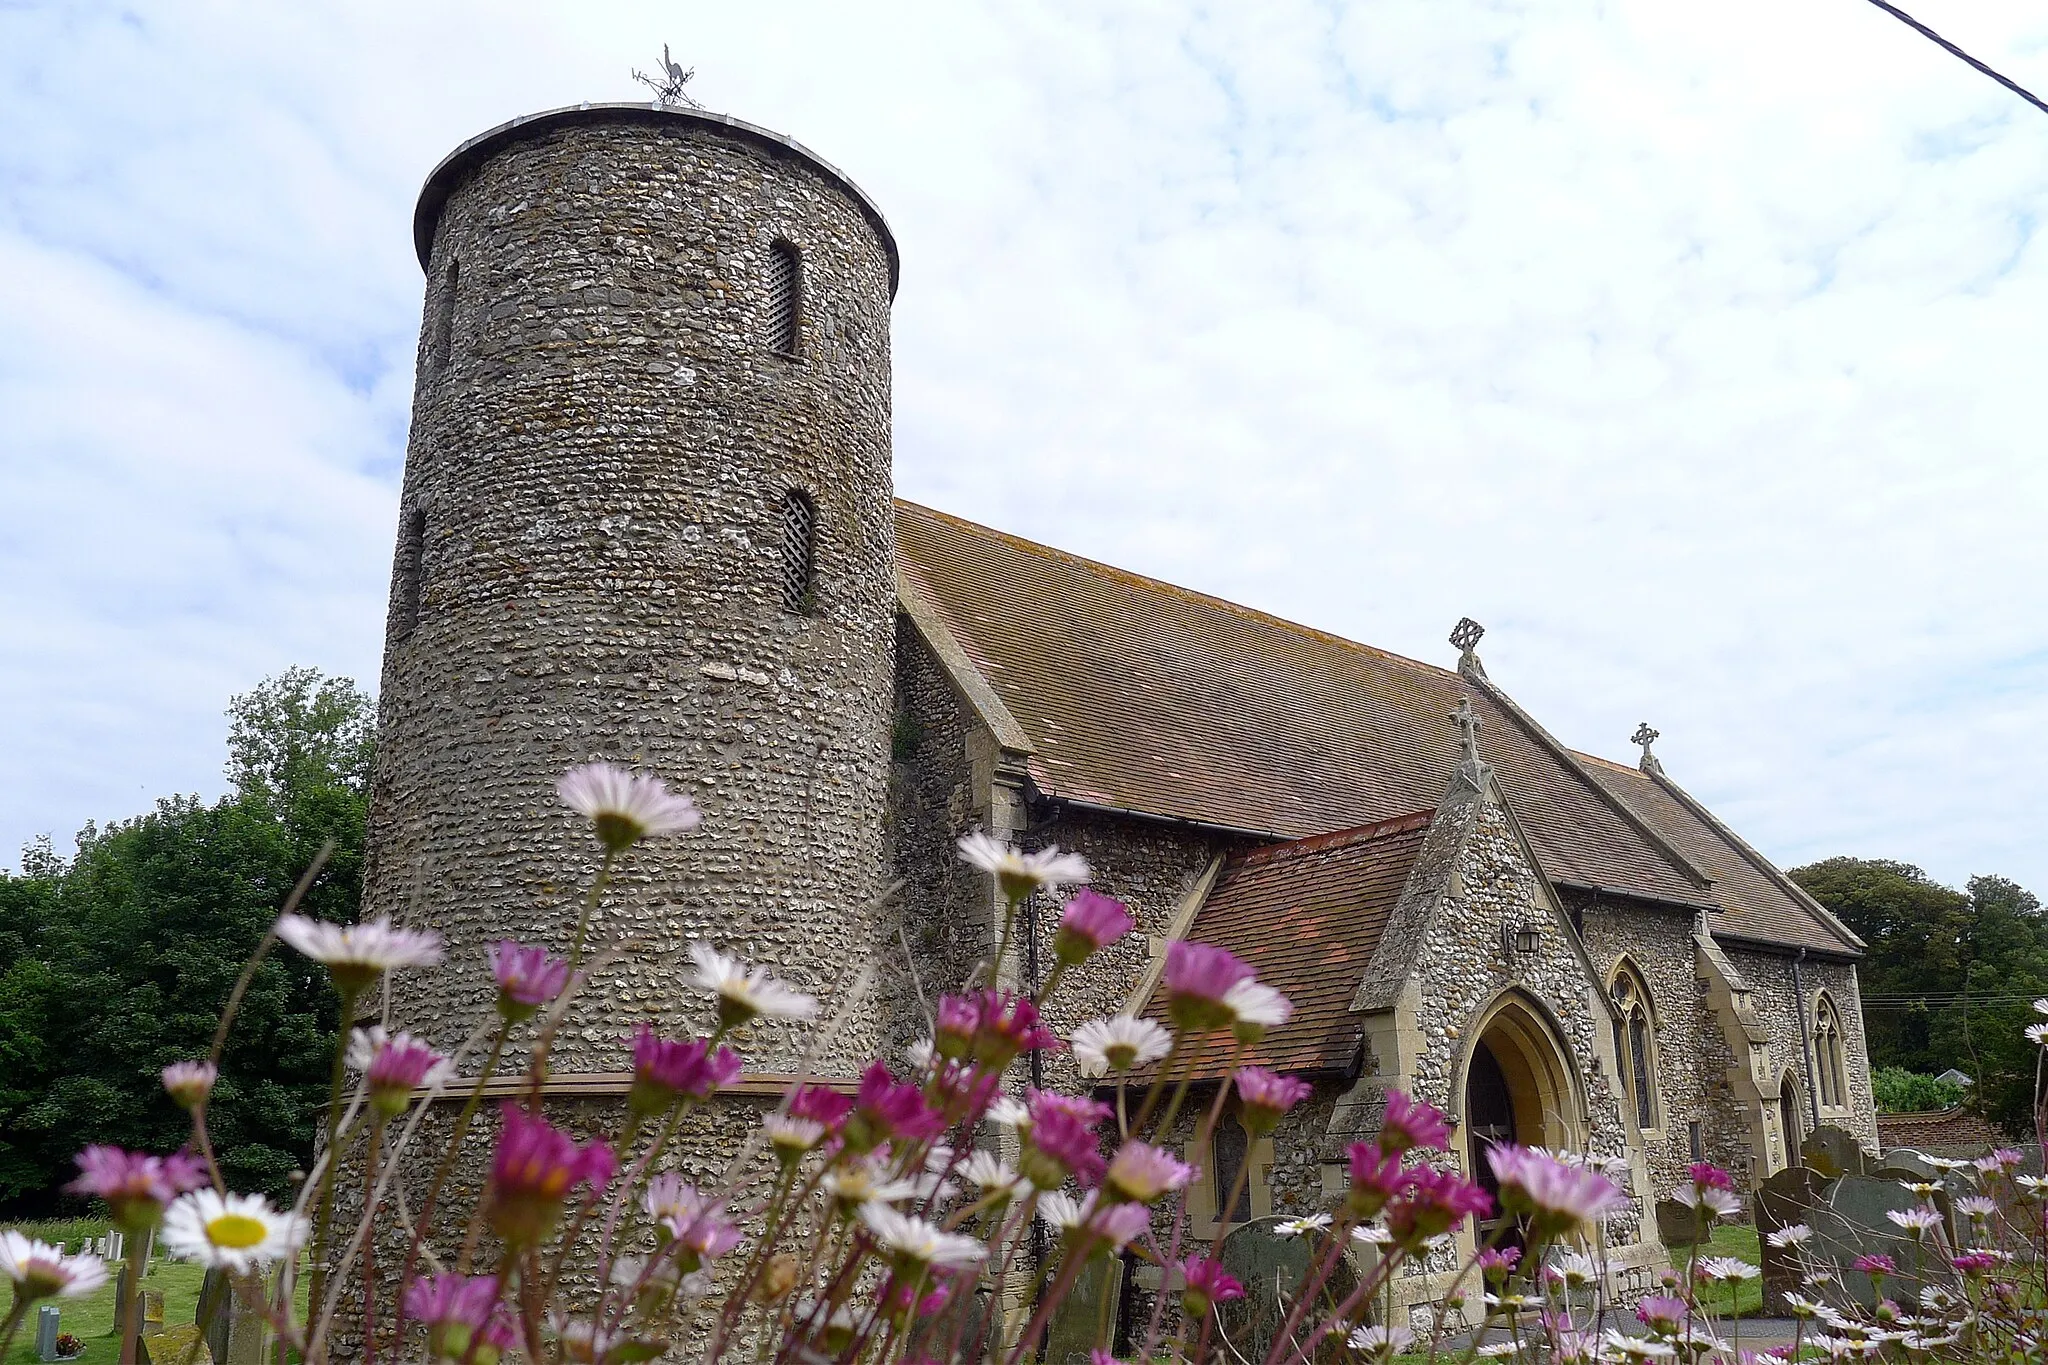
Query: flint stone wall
(1770, 980)
(602, 438)
(1691, 1052)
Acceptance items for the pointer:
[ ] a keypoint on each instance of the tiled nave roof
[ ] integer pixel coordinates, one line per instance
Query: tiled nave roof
(1137, 695)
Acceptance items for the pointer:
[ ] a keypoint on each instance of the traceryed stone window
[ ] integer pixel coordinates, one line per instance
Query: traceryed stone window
(441, 336)
(785, 306)
(799, 553)
(412, 564)
(1827, 1055)
(1635, 1042)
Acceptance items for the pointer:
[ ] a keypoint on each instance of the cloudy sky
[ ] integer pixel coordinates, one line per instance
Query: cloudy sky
(1694, 349)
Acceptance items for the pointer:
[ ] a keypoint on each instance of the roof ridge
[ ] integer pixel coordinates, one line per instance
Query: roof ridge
(1569, 758)
(1744, 849)
(1111, 571)
(1336, 838)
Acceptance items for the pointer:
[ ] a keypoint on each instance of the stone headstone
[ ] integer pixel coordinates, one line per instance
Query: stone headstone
(180, 1345)
(1833, 1152)
(248, 1333)
(1089, 1307)
(152, 1312)
(1787, 1197)
(1903, 1163)
(212, 1314)
(1679, 1224)
(46, 1332)
(1271, 1268)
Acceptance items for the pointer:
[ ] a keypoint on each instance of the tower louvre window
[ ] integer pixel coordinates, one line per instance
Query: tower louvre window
(799, 552)
(785, 298)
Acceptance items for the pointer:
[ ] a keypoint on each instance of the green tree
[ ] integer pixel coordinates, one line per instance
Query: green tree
(1949, 974)
(122, 960)
(1899, 1091)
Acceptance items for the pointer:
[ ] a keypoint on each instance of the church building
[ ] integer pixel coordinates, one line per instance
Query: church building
(648, 516)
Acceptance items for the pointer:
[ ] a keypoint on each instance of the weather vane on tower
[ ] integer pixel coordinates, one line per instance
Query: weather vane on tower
(668, 86)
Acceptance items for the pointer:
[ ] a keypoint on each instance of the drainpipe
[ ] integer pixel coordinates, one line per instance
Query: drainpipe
(1805, 1043)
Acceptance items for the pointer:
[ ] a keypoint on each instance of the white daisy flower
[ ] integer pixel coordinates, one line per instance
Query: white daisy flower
(1302, 1227)
(743, 992)
(919, 1055)
(1622, 1346)
(355, 955)
(38, 1270)
(1381, 1341)
(1802, 1307)
(1017, 873)
(625, 807)
(862, 1182)
(1254, 1004)
(1727, 1270)
(913, 1239)
(1496, 1350)
(1370, 1234)
(1118, 1043)
(1577, 1271)
(1791, 1235)
(2037, 1034)
(792, 1135)
(1919, 1221)
(1944, 1163)
(1010, 1112)
(990, 1174)
(1061, 1211)
(2041, 1005)
(237, 1232)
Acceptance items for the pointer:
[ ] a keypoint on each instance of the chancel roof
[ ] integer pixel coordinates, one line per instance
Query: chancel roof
(1139, 696)
(1307, 916)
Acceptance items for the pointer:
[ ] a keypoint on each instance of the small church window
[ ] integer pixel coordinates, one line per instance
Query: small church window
(441, 337)
(1634, 1047)
(799, 553)
(1231, 1146)
(785, 308)
(412, 557)
(1827, 1046)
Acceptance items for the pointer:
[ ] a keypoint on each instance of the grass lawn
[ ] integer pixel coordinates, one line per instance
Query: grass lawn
(1740, 1241)
(90, 1318)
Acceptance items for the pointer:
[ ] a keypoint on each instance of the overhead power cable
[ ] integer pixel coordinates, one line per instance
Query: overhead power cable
(1895, 12)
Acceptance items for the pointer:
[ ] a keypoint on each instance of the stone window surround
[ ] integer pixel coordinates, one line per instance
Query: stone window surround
(1660, 1112)
(1204, 1196)
(1830, 1058)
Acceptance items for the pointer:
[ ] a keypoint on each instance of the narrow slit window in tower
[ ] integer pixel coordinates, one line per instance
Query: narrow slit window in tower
(785, 298)
(442, 339)
(412, 565)
(799, 553)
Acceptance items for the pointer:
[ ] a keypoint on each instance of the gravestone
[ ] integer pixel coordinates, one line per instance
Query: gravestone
(180, 1345)
(46, 1332)
(1833, 1152)
(1271, 1268)
(152, 1312)
(1089, 1307)
(1782, 1200)
(213, 1314)
(1679, 1224)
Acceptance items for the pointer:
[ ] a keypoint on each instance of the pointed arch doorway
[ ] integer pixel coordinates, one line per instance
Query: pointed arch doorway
(1519, 1087)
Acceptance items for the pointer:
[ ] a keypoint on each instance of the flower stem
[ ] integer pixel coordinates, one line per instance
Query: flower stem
(130, 1308)
(324, 1219)
(604, 874)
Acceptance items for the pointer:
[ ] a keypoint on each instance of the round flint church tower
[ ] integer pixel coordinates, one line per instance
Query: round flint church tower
(646, 518)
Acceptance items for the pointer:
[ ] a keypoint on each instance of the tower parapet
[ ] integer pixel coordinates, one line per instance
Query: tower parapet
(646, 517)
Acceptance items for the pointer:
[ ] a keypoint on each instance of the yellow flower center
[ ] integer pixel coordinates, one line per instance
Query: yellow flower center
(236, 1231)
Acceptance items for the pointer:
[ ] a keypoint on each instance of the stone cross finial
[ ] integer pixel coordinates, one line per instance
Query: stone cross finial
(1465, 636)
(1645, 737)
(1468, 729)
